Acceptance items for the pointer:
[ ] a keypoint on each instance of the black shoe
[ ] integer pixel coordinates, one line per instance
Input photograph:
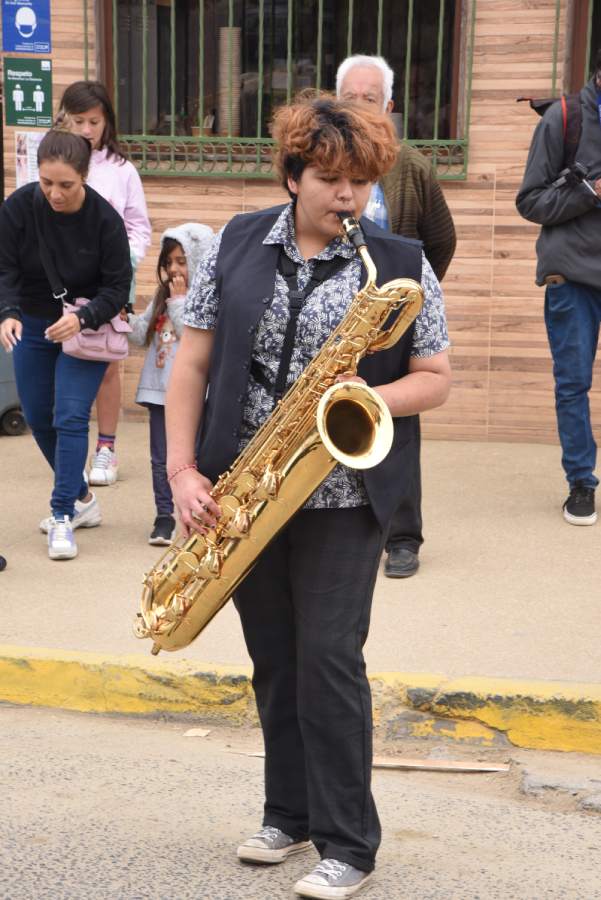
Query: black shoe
(401, 563)
(579, 508)
(163, 531)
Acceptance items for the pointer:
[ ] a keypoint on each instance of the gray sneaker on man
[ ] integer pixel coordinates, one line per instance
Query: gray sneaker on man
(332, 879)
(270, 845)
(87, 515)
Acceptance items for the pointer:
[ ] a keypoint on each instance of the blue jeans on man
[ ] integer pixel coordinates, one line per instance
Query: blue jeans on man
(56, 393)
(572, 317)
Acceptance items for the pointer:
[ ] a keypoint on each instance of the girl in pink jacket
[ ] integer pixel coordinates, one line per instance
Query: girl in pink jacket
(86, 109)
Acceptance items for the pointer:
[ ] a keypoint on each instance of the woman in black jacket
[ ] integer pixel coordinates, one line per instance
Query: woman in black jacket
(87, 241)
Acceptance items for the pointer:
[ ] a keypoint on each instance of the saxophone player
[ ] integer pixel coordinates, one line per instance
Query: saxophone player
(272, 288)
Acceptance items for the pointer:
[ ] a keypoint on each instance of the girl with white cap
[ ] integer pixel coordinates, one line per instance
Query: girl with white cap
(159, 328)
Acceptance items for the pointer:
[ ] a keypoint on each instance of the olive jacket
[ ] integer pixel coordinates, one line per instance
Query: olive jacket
(417, 207)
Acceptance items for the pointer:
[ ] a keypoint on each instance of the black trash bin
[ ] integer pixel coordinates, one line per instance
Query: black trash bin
(12, 420)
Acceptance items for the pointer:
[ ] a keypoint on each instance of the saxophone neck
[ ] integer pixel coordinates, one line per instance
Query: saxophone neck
(372, 272)
(354, 234)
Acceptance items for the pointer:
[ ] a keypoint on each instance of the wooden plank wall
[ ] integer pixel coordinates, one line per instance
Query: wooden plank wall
(503, 386)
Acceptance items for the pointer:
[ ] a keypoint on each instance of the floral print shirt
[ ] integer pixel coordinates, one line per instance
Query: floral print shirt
(321, 312)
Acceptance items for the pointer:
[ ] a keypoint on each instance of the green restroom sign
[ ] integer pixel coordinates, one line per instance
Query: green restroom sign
(28, 92)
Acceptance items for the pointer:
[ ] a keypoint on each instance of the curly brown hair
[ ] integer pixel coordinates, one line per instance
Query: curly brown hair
(335, 136)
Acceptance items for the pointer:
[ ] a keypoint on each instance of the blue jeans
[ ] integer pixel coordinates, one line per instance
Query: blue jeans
(56, 393)
(572, 316)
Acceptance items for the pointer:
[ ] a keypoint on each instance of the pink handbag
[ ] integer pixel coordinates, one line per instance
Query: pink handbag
(107, 344)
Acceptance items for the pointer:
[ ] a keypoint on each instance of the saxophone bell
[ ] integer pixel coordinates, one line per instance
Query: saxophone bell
(354, 425)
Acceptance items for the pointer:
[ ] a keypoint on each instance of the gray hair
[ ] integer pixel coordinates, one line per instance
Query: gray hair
(376, 62)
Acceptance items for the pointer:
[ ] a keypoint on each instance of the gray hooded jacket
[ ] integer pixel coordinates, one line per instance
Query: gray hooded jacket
(570, 239)
(195, 240)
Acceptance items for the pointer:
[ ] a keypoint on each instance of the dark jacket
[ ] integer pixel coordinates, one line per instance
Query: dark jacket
(570, 239)
(245, 275)
(417, 207)
(89, 248)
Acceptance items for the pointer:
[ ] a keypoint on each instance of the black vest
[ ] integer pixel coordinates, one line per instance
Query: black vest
(245, 278)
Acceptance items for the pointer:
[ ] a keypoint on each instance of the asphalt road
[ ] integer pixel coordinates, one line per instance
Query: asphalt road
(97, 808)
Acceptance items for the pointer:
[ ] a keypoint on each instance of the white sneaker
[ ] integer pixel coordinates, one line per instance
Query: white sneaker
(103, 467)
(87, 515)
(61, 543)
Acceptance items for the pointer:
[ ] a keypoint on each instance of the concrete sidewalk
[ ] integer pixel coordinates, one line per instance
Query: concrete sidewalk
(504, 612)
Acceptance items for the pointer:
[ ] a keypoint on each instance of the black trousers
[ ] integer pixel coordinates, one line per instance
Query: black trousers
(406, 524)
(305, 611)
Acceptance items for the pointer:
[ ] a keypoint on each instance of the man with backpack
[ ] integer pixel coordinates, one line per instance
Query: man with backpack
(565, 147)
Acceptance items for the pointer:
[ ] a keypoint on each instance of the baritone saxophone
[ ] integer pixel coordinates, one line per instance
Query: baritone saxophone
(319, 422)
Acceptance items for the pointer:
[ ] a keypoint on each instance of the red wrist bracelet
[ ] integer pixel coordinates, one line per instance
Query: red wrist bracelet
(181, 469)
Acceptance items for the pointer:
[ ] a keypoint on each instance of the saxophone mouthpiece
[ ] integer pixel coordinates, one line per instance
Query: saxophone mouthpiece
(352, 229)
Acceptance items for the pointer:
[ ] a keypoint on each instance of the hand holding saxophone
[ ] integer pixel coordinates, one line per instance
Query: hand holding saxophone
(196, 508)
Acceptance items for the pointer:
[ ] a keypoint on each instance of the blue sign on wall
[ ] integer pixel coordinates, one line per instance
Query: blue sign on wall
(26, 26)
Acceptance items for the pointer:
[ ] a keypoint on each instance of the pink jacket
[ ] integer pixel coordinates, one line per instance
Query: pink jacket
(120, 184)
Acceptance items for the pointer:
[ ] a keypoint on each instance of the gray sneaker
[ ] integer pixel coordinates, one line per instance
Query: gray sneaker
(270, 845)
(87, 515)
(331, 880)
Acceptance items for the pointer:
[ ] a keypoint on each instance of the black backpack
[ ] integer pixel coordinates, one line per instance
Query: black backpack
(572, 121)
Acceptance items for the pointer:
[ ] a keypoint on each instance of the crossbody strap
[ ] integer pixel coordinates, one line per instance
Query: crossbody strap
(323, 269)
(59, 292)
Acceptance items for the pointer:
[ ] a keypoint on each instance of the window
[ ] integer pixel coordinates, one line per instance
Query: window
(195, 82)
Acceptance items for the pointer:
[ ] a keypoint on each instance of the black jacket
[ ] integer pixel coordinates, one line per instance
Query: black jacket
(89, 248)
(245, 274)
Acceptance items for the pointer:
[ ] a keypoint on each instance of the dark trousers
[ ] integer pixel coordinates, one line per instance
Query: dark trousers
(572, 316)
(163, 498)
(305, 611)
(56, 393)
(406, 524)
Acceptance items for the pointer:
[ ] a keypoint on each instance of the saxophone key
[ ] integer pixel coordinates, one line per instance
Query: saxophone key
(241, 523)
(163, 583)
(176, 609)
(140, 629)
(245, 485)
(269, 485)
(234, 521)
(210, 565)
(178, 569)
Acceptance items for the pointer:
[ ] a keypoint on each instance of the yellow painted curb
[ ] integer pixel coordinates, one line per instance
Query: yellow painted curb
(539, 715)
(90, 682)
(531, 714)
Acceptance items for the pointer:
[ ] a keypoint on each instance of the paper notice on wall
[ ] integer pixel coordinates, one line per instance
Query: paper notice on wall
(26, 154)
